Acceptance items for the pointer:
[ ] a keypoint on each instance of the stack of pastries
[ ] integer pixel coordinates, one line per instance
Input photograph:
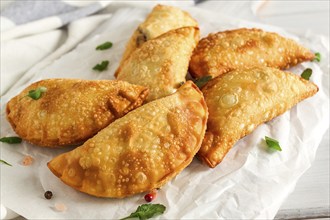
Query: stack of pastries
(138, 132)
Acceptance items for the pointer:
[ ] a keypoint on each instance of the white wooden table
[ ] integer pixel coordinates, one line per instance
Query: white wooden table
(310, 198)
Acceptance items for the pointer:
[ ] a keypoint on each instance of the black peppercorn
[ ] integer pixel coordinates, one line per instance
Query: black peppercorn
(48, 194)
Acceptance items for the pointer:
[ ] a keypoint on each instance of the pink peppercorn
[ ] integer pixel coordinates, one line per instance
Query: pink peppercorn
(151, 196)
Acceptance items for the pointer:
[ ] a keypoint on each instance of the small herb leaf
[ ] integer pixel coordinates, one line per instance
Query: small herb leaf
(273, 144)
(317, 57)
(104, 46)
(307, 73)
(101, 66)
(202, 81)
(11, 140)
(147, 211)
(36, 94)
(4, 162)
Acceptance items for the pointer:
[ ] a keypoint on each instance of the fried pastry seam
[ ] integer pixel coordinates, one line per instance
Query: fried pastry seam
(243, 48)
(140, 151)
(161, 19)
(161, 64)
(71, 110)
(241, 100)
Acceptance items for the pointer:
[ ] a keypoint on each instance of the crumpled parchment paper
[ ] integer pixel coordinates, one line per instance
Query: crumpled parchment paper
(251, 182)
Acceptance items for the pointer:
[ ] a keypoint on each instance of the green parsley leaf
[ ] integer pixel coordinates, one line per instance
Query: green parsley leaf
(101, 66)
(307, 73)
(36, 93)
(317, 57)
(4, 162)
(147, 211)
(202, 81)
(104, 46)
(11, 140)
(273, 144)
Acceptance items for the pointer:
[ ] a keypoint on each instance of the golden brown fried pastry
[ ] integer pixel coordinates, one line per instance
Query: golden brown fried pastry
(241, 100)
(140, 151)
(161, 64)
(71, 110)
(161, 20)
(243, 48)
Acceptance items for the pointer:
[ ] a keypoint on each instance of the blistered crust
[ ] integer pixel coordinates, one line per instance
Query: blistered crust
(161, 64)
(241, 100)
(140, 151)
(243, 48)
(71, 110)
(160, 20)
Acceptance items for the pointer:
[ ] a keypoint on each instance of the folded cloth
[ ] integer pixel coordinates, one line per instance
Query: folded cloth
(34, 33)
(23, 18)
(34, 16)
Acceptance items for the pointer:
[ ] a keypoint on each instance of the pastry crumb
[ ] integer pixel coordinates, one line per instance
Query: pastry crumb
(27, 160)
(60, 207)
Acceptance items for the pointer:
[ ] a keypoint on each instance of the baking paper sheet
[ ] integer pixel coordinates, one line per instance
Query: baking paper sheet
(251, 182)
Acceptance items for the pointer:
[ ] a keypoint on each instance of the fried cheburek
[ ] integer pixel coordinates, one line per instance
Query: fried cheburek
(140, 151)
(243, 48)
(241, 100)
(71, 110)
(160, 20)
(161, 64)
